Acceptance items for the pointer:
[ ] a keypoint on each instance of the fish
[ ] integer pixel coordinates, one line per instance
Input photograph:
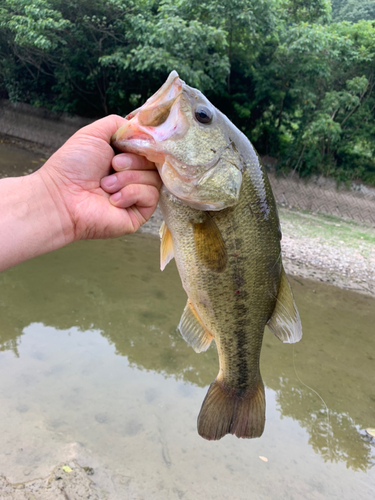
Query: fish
(222, 227)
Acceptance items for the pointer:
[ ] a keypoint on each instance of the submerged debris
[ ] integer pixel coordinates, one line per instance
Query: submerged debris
(64, 482)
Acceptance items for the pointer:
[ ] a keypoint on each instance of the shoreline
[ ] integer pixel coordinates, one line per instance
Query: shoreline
(320, 247)
(323, 260)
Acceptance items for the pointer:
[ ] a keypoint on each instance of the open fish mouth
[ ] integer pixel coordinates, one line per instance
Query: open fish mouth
(153, 123)
(153, 113)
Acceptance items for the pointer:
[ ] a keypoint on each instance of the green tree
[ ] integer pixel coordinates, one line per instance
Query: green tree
(353, 10)
(300, 87)
(323, 78)
(306, 11)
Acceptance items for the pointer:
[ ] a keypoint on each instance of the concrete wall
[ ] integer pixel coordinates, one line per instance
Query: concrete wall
(321, 195)
(38, 125)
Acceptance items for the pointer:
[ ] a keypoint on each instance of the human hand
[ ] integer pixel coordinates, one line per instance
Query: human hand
(90, 203)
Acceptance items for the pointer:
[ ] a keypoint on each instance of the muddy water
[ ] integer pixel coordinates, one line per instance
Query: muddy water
(15, 161)
(92, 368)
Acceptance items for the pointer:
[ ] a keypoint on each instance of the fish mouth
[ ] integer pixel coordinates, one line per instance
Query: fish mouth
(167, 91)
(150, 125)
(137, 142)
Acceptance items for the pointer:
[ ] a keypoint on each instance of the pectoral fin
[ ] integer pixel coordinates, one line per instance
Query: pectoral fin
(285, 322)
(166, 246)
(209, 245)
(193, 331)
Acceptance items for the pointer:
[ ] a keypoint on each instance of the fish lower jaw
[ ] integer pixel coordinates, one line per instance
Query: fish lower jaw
(136, 144)
(140, 146)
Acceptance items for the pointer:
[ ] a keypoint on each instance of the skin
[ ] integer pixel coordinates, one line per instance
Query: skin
(76, 196)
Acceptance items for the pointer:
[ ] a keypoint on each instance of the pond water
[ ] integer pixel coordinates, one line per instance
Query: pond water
(92, 368)
(15, 161)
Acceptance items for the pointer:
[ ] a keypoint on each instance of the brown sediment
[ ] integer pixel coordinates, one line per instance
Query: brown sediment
(58, 484)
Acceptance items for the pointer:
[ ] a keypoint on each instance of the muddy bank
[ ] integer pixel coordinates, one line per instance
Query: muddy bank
(18, 157)
(38, 125)
(323, 196)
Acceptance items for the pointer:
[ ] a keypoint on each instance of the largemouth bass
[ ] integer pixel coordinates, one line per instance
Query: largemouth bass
(222, 227)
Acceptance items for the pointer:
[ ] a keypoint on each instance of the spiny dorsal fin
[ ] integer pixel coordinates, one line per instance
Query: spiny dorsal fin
(193, 331)
(285, 322)
(166, 246)
(209, 244)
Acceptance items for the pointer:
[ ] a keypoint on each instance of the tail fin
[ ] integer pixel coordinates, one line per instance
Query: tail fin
(227, 413)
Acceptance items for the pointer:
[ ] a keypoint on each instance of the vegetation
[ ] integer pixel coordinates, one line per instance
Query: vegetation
(295, 75)
(353, 10)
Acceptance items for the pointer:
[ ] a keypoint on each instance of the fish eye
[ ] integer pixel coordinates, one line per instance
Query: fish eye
(203, 114)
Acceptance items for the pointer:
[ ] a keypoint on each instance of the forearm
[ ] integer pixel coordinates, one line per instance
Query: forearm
(30, 224)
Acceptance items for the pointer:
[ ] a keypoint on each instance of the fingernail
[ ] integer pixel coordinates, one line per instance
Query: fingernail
(115, 197)
(109, 181)
(121, 162)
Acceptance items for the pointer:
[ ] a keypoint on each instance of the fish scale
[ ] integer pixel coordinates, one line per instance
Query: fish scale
(222, 227)
(236, 320)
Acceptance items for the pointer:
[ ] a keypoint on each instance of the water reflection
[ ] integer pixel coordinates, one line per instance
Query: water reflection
(116, 287)
(334, 435)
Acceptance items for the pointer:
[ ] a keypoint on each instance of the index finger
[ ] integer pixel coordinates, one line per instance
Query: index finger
(131, 161)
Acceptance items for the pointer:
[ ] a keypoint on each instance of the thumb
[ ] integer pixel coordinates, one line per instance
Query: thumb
(103, 128)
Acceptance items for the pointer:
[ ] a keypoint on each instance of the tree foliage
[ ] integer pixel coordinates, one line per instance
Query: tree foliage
(353, 10)
(298, 84)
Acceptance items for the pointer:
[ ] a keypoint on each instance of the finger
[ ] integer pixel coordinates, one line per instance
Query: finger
(141, 195)
(116, 182)
(130, 161)
(103, 128)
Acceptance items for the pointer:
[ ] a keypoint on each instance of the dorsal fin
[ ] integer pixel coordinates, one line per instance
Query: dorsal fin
(193, 331)
(166, 246)
(285, 322)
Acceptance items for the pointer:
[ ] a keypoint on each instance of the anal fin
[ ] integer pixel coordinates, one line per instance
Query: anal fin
(193, 331)
(285, 322)
(166, 246)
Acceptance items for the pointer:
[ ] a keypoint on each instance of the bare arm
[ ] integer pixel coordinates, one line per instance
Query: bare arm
(73, 197)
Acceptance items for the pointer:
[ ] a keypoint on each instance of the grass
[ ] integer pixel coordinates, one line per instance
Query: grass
(328, 229)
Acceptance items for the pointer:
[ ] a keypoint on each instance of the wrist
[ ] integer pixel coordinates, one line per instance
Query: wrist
(54, 209)
(31, 223)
